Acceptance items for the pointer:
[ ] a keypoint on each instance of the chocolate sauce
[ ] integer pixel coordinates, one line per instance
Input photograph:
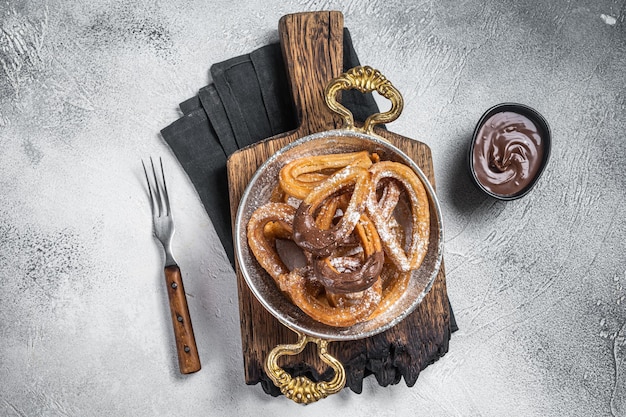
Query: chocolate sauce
(309, 237)
(349, 280)
(508, 153)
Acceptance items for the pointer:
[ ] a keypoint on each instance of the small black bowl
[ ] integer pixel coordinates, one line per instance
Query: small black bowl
(543, 130)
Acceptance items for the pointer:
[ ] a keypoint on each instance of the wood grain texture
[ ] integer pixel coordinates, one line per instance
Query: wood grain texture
(312, 51)
(188, 358)
(311, 45)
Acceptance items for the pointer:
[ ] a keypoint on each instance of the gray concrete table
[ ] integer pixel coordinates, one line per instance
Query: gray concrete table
(538, 285)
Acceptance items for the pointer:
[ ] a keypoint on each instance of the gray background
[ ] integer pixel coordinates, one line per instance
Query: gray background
(538, 285)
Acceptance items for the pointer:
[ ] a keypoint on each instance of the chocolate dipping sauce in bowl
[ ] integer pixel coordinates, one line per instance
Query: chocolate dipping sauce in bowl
(509, 150)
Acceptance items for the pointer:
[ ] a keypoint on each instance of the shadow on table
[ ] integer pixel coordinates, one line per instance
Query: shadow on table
(465, 196)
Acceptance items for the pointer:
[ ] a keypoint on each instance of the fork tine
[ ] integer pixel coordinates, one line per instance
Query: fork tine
(157, 189)
(149, 187)
(165, 194)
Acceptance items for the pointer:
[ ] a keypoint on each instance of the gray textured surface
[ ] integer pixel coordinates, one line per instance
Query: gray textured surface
(538, 285)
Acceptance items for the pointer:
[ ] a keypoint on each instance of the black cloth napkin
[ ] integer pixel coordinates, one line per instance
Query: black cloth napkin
(249, 100)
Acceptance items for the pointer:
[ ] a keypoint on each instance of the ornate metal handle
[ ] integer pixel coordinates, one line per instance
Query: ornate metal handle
(301, 389)
(365, 79)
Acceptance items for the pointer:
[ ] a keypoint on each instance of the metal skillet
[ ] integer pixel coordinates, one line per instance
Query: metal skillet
(348, 139)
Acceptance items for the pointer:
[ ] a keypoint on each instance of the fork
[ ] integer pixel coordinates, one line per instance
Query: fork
(188, 359)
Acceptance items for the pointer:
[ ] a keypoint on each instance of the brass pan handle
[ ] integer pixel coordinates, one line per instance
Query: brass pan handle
(301, 389)
(366, 80)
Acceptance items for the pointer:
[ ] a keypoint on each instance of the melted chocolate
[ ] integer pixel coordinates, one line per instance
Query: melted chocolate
(311, 238)
(507, 154)
(349, 281)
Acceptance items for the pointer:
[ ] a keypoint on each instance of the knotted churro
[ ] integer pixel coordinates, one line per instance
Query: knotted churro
(420, 215)
(342, 211)
(321, 242)
(299, 177)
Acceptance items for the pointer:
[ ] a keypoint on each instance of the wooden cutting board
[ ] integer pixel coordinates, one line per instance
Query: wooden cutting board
(312, 50)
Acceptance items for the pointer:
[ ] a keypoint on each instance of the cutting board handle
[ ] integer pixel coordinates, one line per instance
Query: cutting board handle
(312, 45)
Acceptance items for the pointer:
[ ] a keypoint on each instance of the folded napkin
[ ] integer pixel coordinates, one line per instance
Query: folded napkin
(249, 100)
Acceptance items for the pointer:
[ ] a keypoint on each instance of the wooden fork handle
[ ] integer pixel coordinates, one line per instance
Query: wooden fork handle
(188, 359)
